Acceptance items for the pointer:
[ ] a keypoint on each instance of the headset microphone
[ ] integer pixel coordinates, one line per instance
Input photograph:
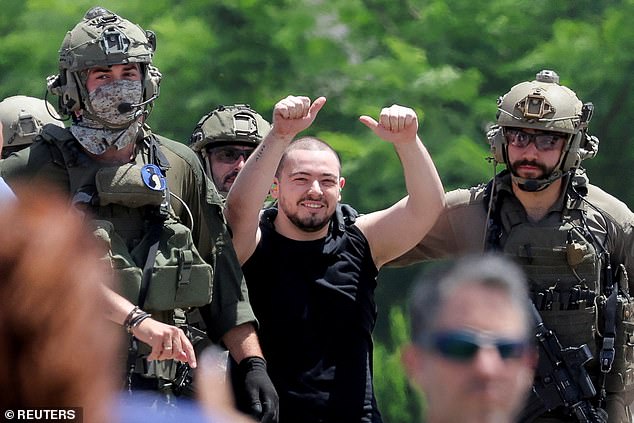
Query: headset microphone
(128, 107)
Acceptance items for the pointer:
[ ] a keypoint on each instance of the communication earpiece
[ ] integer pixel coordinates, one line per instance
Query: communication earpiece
(497, 142)
(151, 82)
(582, 145)
(65, 86)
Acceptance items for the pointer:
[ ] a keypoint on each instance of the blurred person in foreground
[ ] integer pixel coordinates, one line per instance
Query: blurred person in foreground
(51, 327)
(471, 354)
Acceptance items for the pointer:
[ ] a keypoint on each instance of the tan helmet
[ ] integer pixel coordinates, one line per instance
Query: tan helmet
(102, 38)
(545, 105)
(236, 124)
(22, 120)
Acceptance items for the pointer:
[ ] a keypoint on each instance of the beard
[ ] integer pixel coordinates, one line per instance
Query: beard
(313, 222)
(228, 180)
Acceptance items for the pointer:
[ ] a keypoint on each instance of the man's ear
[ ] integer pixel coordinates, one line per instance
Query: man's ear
(342, 182)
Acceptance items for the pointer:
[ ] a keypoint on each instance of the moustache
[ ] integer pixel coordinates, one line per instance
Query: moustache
(233, 175)
(533, 163)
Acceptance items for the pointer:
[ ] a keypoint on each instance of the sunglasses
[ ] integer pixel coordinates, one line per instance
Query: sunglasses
(463, 345)
(229, 155)
(543, 142)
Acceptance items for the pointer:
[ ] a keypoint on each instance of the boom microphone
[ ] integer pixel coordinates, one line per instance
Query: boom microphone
(128, 107)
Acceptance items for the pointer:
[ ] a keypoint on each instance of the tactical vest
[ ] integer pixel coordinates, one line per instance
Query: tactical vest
(563, 272)
(566, 273)
(130, 217)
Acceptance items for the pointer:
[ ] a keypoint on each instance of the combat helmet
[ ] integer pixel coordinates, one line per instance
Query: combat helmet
(545, 105)
(22, 120)
(236, 124)
(102, 38)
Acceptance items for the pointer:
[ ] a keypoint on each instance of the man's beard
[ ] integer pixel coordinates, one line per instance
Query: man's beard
(311, 223)
(226, 185)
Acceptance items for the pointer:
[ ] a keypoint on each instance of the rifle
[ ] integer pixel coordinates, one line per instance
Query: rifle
(561, 380)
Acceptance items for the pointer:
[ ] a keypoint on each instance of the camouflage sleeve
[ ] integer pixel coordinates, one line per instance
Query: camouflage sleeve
(459, 229)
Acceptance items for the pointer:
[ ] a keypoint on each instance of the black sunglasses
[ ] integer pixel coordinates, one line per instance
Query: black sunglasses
(543, 142)
(463, 345)
(229, 155)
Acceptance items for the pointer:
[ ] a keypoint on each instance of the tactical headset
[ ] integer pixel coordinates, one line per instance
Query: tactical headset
(545, 105)
(102, 38)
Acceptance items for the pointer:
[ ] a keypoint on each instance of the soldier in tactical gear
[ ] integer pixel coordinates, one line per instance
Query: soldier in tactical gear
(574, 241)
(22, 120)
(225, 138)
(151, 207)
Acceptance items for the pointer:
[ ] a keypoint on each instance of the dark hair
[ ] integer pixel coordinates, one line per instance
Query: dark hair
(306, 143)
(434, 286)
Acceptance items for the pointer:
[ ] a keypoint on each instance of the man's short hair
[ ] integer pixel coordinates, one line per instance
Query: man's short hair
(307, 143)
(436, 285)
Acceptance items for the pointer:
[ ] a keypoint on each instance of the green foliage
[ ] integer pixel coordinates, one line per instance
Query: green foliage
(398, 402)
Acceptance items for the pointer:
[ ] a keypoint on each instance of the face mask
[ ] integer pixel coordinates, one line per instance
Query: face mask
(104, 101)
(97, 140)
(103, 104)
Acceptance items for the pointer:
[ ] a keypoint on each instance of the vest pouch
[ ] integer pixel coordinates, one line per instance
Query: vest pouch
(621, 377)
(123, 185)
(572, 327)
(126, 271)
(181, 278)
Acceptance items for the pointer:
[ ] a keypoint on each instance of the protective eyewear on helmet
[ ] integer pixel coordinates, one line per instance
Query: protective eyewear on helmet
(229, 155)
(463, 345)
(543, 142)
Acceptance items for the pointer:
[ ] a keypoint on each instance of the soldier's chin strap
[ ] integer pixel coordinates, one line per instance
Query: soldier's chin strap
(534, 185)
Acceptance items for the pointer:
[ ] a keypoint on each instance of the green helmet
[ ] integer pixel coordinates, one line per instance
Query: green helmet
(541, 104)
(545, 105)
(22, 120)
(102, 38)
(237, 124)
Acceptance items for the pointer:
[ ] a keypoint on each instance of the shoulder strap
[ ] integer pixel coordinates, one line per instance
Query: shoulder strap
(155, 155)
(55, 137)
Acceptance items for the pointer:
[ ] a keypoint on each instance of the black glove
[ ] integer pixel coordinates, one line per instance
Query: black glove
(261, 394)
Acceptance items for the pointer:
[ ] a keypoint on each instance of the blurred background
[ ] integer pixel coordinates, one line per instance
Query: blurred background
(449, 60)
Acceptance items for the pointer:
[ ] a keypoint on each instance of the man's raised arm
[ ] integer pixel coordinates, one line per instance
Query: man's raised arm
(244, 201)
(395, 230)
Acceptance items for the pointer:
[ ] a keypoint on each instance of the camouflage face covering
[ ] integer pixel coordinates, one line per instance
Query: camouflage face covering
(104, 101)
(96, 139)
(103, 104)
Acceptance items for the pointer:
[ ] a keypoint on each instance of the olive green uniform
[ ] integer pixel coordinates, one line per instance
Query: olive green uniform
(560, 254)
(56, 159)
